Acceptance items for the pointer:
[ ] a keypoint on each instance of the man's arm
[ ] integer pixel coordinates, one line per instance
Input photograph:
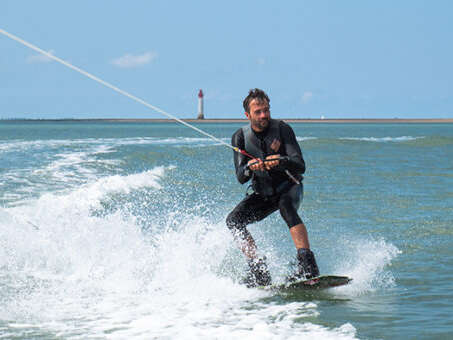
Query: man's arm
(240, 161)
(295, 162)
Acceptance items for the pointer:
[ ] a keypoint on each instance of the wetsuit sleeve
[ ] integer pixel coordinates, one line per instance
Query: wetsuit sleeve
(295, 163)
(240, 161)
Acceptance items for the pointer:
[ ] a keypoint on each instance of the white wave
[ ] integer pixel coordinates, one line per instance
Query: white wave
(74, 164)
(303, 139)
(383, 139)
(55, 171)
(123, 184)
(367, 261)
(89, 196)
(58, 164)
(104, 278)
(52, 231)
(21, 145)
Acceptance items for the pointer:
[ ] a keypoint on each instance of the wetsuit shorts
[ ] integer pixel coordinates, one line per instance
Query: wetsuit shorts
(254, 208)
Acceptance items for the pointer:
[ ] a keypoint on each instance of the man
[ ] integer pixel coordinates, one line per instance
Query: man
(276, 173)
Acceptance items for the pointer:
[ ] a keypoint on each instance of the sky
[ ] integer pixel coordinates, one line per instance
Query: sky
(331, 59)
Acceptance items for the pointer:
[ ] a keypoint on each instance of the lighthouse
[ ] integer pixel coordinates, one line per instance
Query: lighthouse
(200, 105)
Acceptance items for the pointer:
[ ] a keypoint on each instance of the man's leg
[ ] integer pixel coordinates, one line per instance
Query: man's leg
(246, 243)
(288, 204)
(252, 209)
(300, 236)
(307, 266)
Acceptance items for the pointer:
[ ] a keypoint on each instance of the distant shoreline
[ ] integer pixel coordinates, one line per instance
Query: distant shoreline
(237, 120)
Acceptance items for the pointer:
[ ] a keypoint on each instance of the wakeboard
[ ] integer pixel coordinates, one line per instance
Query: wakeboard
(320, 282)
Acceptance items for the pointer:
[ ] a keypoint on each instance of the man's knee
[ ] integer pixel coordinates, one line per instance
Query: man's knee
(233, 222)
(288, 211)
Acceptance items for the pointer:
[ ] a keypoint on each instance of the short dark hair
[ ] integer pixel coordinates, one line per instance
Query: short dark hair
(257, 94)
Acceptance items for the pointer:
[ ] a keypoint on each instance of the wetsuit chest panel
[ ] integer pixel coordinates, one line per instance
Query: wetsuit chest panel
(262, 147)
(269, 144)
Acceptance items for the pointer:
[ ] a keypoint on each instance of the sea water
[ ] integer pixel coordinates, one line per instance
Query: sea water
(114, 230)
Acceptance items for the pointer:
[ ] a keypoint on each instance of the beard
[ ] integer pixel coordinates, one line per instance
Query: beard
(260, 124)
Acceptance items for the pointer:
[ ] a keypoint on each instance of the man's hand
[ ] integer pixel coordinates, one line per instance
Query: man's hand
(256, 164)
(271, 164)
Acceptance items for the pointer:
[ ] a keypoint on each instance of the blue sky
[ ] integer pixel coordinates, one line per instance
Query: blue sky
(337, 59)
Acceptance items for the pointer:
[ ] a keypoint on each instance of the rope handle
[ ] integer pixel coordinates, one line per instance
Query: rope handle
(281, 158)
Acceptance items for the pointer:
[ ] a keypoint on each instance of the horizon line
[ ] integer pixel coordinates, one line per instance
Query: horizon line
(240, 120)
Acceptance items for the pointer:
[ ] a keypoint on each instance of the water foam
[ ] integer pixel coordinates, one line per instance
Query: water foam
(303, 139)
(53, 169)
(22, 145)
(56, 164)
(383, 139)
(105, 277)
(367, 261)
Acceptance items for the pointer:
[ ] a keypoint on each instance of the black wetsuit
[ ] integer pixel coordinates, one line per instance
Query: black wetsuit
(273, 189)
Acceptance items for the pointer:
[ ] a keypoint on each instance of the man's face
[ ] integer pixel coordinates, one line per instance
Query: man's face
(259, 114)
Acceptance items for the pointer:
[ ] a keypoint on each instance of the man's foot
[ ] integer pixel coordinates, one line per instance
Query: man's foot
(306, 267)
(258, 274)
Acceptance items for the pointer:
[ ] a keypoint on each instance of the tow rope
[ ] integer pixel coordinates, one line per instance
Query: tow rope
(127, 94)
(116, 89)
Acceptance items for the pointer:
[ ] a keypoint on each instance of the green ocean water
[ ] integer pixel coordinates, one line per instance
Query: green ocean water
(114, 230)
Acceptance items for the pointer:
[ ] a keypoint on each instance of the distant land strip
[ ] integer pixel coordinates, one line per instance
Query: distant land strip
(296, 120)
(237, 120)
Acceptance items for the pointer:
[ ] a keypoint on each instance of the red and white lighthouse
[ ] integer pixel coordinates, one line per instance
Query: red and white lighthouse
(200, 105)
